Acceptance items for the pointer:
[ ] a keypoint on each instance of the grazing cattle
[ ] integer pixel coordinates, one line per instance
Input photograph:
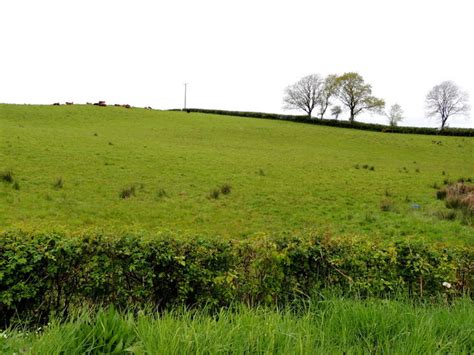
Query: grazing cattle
(100, 103)
(69, 103)
(148, 108)
(126, 106)
(56, 104)
(117, 105)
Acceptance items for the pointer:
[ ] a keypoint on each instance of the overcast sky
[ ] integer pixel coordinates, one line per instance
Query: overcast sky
(237, 55)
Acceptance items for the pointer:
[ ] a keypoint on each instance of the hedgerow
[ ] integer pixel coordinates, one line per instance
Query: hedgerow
(45, 273)
(466, 132)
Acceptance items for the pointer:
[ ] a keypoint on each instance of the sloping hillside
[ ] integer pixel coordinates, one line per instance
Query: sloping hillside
(116, 168)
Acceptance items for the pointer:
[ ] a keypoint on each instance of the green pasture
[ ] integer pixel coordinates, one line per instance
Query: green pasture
(71, 163)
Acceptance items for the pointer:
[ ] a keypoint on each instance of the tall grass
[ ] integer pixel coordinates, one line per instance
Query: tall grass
(330, 326)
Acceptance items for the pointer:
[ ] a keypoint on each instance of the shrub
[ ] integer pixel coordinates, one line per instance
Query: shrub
(372, 168)
(226, 189)
(52, 272)
(16, 186)
(6, 176)
(127, 192)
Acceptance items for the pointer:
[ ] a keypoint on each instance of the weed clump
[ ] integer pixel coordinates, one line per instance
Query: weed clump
(386, 205)
(7, 176)
(214, 194)
(127, 192)
(226, 189)
(458, 196)
(441, 194)
(448, 215)
(447, 182)
(16, 186)
(161, 193)
(58, 183)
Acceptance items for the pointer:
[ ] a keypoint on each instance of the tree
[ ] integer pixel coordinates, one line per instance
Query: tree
(304, 94)
(328, 91)
(336, 111)
(357, 95)
(446, 100)
(395, 115)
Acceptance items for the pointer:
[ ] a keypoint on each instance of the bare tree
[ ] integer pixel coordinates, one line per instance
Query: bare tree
(395, 115)
(304, 94)
(357, 95)
(446, 100)
(336, 111)
(327, 92)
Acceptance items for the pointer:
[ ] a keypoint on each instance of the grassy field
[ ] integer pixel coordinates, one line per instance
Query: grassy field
(71, 163)
(331, 326)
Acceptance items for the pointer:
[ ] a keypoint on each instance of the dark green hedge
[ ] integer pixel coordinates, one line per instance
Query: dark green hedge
(44, 273)
(466, 132)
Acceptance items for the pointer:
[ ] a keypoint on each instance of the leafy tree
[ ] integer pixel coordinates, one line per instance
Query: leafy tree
(357, 95)
(336, 111)
(446, 100)
(304, 94)
(327, 92)
(395, 115)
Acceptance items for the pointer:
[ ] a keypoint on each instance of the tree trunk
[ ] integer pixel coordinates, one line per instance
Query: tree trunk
(443, 122)
(352, 116)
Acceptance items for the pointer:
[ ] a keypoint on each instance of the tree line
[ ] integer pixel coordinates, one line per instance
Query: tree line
(315, 93)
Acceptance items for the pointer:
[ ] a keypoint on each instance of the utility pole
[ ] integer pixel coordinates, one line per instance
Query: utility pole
(185, 89)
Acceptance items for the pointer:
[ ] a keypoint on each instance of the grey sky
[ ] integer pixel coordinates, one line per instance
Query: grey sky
(234, 54)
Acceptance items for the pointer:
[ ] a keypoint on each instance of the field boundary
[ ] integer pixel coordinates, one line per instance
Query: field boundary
(44, 273)
(460, 132)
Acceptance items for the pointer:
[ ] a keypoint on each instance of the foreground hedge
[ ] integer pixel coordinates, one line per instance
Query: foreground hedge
(44, 273)
(466, 132)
